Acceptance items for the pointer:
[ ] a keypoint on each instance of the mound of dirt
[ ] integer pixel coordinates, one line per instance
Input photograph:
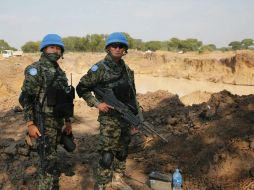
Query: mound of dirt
(212, 143)
(196, 97)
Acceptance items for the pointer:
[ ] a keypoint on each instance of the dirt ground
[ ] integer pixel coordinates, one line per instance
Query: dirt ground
(210, 135)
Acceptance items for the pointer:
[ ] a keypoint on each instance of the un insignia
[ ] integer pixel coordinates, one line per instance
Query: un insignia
(33, 71)
(94, 68)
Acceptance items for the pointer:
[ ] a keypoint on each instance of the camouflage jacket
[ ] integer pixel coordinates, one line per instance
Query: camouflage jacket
(38, 76)
(105, 73)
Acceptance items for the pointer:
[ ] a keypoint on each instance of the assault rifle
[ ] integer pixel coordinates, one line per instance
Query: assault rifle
(42, 141)
(108, 97)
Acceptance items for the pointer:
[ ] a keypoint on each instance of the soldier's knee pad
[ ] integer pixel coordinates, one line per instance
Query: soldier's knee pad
(106, 160)
(122, 155)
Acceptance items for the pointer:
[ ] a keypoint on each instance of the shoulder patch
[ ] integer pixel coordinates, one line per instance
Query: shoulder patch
(94, 68)
(33, 71)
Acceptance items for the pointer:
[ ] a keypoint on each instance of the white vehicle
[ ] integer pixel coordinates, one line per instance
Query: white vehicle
(10, 53)
(7, 53)
(18, 53)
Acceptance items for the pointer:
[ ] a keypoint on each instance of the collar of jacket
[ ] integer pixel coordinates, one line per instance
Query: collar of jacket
(111, 63)
(48, 63)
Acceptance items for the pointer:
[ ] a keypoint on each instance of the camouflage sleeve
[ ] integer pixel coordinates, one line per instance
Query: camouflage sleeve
(87, 82)
(30, 90)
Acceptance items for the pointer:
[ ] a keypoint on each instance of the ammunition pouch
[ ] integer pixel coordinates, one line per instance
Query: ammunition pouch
(61, 100)
(124, 93)
(68, 142)
(106, 160)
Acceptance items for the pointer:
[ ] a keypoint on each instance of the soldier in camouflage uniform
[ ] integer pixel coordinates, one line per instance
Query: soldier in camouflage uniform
(38, 77)
(115, 133)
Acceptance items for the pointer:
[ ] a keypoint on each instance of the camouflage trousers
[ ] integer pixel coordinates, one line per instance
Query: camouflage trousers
(49, 180)
(115, 136)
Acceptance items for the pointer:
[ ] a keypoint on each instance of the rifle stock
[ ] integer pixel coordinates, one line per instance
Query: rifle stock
(108, 97)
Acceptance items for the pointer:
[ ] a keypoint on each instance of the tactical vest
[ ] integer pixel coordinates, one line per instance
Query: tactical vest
(55, 95)
(121, 84)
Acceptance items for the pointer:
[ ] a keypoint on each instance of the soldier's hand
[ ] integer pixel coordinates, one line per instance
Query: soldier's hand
(134, 131)
(33, 131)
(103, 107)
(68, 128)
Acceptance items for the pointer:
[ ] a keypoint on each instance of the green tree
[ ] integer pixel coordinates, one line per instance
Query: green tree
(5, 46)
(31, 47)
(134, 43)
(138, 44)
(247, 42)
(209, 47)
(73, 43)
(235, 45)
(190, 45)
(164, 45)
(153, 45)
(130, 40)
(223, 49)
(173, 44)
(96, 42)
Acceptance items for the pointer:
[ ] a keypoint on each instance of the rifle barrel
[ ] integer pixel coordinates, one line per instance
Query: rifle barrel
(147, 127)
(109, 97)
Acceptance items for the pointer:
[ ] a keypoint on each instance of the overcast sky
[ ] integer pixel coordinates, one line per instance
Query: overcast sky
(211, 21)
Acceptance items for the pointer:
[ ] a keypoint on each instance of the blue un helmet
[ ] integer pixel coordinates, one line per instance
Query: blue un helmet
(52, 39)
(116, 37)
